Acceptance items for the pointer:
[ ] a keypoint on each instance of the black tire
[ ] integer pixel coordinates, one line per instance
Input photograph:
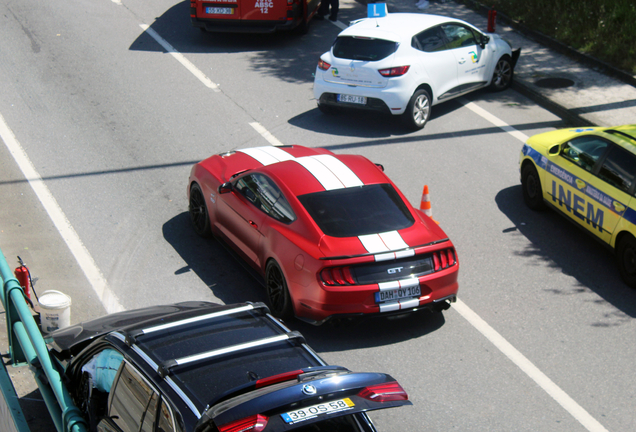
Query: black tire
(277, 292)
(199, 212)
(502, 76)
(626, 259)
(531, 184)
(418, 110)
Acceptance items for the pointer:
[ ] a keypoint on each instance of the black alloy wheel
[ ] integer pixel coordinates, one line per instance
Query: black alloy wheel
(277, 293)
(199, 212)
(531, 185)
(626, 259)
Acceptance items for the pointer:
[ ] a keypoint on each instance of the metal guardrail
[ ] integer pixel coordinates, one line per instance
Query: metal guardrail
(26, 345)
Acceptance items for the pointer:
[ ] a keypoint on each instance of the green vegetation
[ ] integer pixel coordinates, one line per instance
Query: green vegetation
(605, 29)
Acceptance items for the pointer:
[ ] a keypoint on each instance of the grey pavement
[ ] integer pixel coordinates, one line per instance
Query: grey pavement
(594, 98)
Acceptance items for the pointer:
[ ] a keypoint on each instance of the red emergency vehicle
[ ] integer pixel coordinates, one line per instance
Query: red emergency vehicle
(252, 16)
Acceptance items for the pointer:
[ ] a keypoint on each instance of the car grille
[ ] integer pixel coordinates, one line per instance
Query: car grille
(386, 271)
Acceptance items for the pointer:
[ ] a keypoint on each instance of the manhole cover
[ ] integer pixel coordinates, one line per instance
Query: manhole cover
(554, 83)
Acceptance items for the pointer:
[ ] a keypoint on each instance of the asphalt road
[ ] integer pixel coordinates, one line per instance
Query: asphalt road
(112, 122)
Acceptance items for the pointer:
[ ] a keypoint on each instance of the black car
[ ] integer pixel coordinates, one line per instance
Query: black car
(204, 367)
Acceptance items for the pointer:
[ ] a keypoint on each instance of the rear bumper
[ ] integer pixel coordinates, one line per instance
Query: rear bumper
(244, 26)
(437, 290)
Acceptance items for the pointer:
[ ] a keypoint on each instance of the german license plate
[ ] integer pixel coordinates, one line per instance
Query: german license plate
(352, 99)
(219, 10)
(398, 293)
(316, 410)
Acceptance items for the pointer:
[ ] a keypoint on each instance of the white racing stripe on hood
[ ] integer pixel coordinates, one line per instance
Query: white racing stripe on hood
(267, 155)
(384, 243)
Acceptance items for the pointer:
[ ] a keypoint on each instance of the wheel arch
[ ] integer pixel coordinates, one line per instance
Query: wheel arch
(429, 90)
(619, 237)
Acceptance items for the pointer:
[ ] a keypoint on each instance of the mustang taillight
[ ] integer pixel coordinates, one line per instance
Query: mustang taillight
(255, 423)
(385, 392)
(394, 71)
(323, 64)
(443, 259)
(337, 276)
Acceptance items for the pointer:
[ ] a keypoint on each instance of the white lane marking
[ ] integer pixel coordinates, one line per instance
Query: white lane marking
(180, 58)
(339, 24)
(265, 134)
(562, 398)
(82, 256)
(494, 120)
(117, 2)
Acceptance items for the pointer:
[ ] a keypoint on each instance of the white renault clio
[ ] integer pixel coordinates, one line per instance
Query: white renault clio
(404, 63)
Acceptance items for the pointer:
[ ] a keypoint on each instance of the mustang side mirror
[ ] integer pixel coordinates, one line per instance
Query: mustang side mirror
(225, 188)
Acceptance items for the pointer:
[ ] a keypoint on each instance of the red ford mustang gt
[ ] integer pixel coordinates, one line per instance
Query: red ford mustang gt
(331, 234)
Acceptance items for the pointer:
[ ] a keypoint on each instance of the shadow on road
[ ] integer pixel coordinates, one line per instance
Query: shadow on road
(232, 283)
(566, 247)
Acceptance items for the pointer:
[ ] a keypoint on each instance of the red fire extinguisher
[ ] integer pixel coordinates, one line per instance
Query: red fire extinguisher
(23, 275)
(492, 20)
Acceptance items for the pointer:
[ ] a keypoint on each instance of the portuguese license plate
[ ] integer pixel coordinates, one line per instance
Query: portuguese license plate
(316, 410)
(219, 10)
(398, 293)
(352, 99)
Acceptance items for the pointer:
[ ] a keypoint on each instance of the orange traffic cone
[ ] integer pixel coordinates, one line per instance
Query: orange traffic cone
(425, 204)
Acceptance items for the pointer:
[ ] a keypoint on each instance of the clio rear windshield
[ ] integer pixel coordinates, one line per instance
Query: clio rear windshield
(357, 48)
(355, 211)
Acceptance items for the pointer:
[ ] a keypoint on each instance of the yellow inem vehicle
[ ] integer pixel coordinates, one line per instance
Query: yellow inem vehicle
(588, 174)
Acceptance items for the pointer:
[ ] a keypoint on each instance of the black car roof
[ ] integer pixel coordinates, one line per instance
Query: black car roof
(224, 361)
(229, 345)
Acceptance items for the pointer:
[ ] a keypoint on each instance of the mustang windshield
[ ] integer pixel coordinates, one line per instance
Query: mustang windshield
(356, 211)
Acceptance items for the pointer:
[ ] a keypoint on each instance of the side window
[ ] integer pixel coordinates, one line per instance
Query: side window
(458, 36)
(618, 169)
(430, 40)
(165, 421)
(265, 195)
(584, 151)
(130, 400)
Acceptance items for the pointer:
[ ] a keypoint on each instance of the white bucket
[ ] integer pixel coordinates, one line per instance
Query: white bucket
(55, 310)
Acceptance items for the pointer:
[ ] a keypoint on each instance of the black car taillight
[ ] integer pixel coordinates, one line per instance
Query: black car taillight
(323, 65)
(255, 423)
(337, 276)
(385, 392)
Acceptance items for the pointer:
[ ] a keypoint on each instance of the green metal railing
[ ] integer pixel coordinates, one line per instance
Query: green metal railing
(26, 345)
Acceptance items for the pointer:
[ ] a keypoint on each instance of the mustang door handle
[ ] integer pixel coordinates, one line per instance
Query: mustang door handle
(253, 224)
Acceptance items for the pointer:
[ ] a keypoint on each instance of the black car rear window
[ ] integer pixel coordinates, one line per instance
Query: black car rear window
(357, 48)
(356, 211)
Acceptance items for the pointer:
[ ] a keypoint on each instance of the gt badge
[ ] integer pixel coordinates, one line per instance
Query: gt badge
(308, 389)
